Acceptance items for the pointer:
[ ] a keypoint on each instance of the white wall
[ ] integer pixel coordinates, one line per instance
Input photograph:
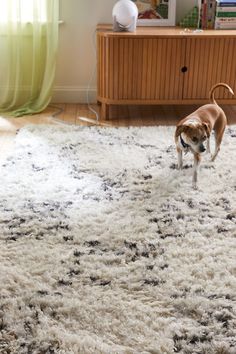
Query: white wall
(76, 57)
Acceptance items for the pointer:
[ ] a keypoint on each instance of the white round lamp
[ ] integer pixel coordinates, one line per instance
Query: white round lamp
(125, 15)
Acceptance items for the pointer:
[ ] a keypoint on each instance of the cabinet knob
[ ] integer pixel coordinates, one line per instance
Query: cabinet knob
(184, 69)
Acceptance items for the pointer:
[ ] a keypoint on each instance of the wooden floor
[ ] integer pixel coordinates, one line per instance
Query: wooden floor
(119, 116)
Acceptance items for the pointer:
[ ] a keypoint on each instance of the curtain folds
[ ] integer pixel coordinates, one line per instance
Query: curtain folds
(28, 48)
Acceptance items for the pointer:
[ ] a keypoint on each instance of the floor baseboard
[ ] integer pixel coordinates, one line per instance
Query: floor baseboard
(73, 94)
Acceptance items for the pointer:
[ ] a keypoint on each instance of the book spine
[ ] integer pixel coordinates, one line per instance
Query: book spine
(225, 19)
(225, 14)
(215, 5)
(221, 23)
(211, 9)
(226, 9)
(228, 4)
(204, 14)
(208, 24)
(225, 26)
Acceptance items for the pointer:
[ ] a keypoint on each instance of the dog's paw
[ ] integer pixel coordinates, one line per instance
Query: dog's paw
(174, 166)
(209, 165)
(195, 187)
(213, 157)
(187, 166)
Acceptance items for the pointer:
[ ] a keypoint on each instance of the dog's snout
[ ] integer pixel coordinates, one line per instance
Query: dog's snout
(202, 148)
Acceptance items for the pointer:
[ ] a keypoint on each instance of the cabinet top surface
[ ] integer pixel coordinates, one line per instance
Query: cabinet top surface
(106, 31)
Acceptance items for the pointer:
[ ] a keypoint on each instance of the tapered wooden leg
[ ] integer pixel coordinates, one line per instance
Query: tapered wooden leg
(104, 111)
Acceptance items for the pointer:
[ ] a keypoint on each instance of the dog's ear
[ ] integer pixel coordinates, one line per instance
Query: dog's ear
(207, 129)
(179, 130)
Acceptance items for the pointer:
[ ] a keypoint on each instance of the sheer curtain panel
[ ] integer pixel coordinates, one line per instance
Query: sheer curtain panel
(28, 47)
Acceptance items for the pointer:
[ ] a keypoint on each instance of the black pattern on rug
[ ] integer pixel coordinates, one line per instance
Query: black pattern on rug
(106, 248)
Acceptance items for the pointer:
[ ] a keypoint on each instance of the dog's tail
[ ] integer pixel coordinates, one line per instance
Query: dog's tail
(212, 95)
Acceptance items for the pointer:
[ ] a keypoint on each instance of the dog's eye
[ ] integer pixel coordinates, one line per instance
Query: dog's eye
(194, 139)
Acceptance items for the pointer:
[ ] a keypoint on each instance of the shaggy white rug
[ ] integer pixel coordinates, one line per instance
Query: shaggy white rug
(106, 248)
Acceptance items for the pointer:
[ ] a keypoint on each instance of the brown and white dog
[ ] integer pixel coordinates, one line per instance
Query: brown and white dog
(193, 132)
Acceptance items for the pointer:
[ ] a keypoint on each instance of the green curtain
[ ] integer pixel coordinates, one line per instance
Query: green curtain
(28, 48)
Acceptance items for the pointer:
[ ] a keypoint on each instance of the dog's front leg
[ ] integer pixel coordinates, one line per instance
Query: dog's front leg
(180, 158)
(208, 150)
(197, 160)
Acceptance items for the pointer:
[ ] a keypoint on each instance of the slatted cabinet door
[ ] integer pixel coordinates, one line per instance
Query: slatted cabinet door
(140, 69)
(209, 61)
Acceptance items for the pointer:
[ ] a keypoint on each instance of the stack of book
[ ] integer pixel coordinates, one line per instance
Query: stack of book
(225, 14)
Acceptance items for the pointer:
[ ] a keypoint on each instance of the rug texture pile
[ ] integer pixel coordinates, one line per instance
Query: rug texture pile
(106, 248)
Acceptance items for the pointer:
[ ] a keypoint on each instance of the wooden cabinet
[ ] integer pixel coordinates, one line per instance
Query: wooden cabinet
(163, 66)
